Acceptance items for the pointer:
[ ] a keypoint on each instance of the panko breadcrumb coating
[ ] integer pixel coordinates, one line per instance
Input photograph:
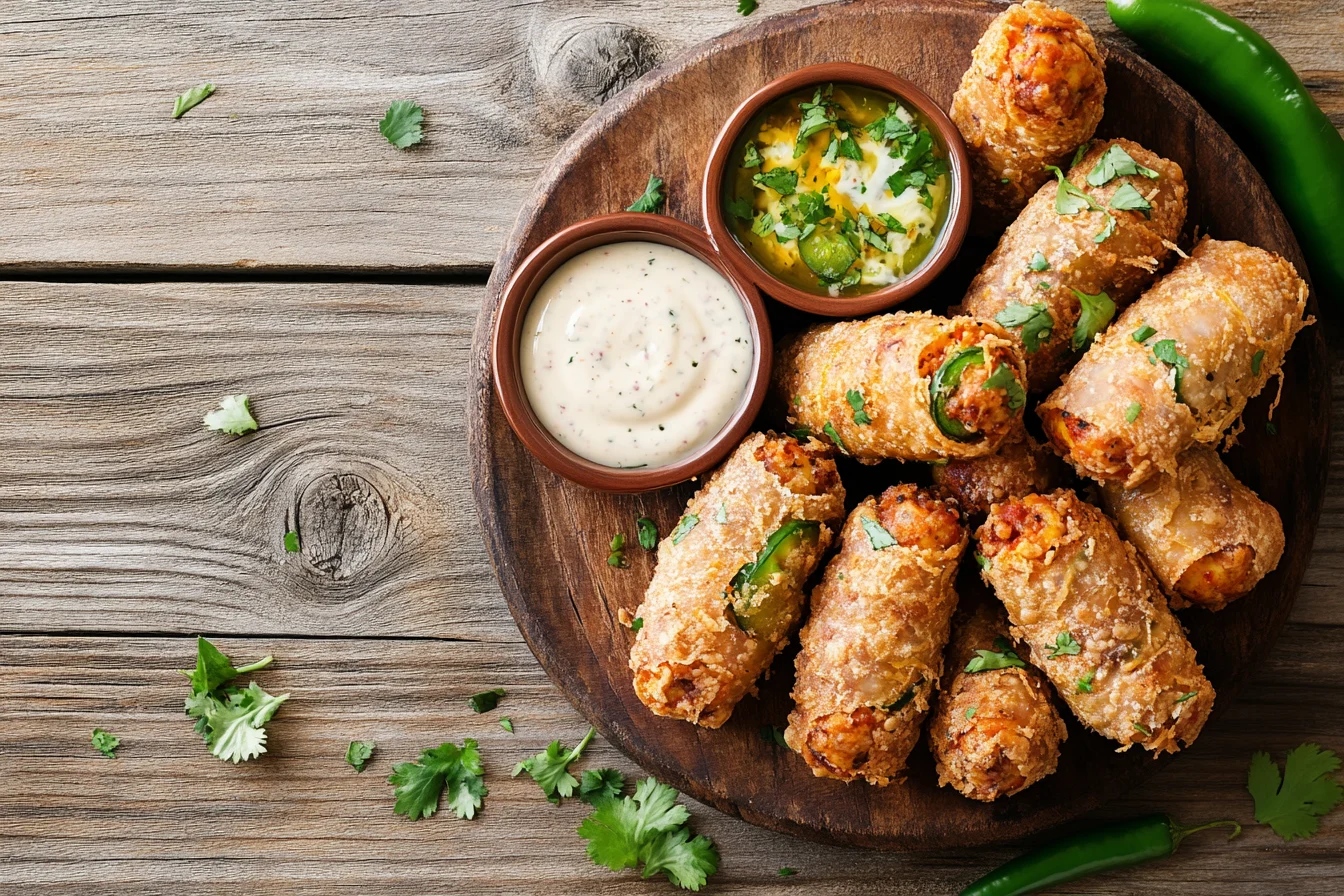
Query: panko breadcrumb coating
(1044, 256)
(867, 385)
(1208, 538)
(1032, 95)
(872, 650)
(710, 630)
(1021, 466)
(994, 732)
(1215, 332)
(1066, 578)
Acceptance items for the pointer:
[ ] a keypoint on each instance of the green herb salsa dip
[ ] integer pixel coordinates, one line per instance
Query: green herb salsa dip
(837, 190)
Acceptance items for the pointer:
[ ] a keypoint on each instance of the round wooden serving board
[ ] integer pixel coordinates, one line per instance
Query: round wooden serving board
(548, 538)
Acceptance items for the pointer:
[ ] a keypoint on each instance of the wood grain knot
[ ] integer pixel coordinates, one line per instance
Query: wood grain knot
(594, 64)
(344, 524)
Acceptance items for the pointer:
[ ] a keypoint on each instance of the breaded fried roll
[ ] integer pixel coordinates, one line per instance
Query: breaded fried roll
(1208, 538)
(905, 386)
(1128, 208)
(872, 649)
(1032, 95)
(728, 588)
(1021, 466)
(1178, 367)
(1095, 621)
(995, 730)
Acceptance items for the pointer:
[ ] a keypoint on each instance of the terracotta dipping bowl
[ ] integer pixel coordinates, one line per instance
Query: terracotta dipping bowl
(517, 298)
(949, 238)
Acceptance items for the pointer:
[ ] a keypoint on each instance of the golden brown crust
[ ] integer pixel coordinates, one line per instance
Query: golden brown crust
(1207, 537)
(1223, 306)
(1059, 566)
(1033, 93)
(872, 649)
(1021, 466)
(1122, 265)
(993, 733)
(889, 361)
(691, 660)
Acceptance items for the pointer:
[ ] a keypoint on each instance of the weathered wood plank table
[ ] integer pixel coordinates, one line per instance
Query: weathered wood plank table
(272, 243)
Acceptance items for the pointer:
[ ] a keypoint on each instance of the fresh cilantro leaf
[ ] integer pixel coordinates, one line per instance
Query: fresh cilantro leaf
(878, 536)
(870, 237)
(751, 156)
(648, 533)
(818, 115)
(1257, 359)
(191, 99)
(507, 724)
(764, 225)
(855, 399)
(1005, 378)
(1132, 412)
(214, 669)
(970, 713)
(1143, 334)
(291, 542)
(236, 726)
(1107, 229)
(891, 126)
(233, 416)
(981, 560)
(1035, 320)
(637, 623)
(402, 124)
(105, 743)
(652, 199)
(783, 181)
(1064, 646)
(358, 753)
(1113, 163)
(600, 784)
(1128, 199)
(1186, 696)
(812, 208)
(1096, 313)
(746, 7)
(684, 527)
(550, 768)
(1039, 263)
(1165, 351)
(1043, 286)
(1085, 683)
(485, 700)
(849, 148)
(420, 785)
(1001, 657)
(686, 862)
(835, 437)
(1292, 805)
(832, 151)
(787, 872)
(616, 556)
(1069, 200)
(890, 222)
(740, 207)
(721, 515)
(772, 734)
(801, 432)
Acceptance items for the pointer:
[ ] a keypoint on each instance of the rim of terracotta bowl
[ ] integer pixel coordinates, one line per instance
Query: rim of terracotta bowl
(506, 338)
(949, 240)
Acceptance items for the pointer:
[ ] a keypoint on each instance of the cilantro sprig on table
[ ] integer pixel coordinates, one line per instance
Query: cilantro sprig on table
(105, 742)
(233, 416)
(1035, 321)
(550, 768)
(649, 829)
(403, 124)
(447, 768)
(1292, 803)
(231, 720)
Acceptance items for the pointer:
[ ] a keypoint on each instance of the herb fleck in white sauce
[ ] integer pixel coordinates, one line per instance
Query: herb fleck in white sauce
(635, 354)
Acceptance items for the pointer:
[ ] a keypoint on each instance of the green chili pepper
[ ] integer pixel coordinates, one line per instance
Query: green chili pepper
(943, 384)
(1257, 95)
(827, 253)
(754, 585)
(1118, 845)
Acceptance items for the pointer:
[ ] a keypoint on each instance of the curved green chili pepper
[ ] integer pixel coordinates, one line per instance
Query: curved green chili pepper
(943, 384)
(753, 581)
(1118, 845)
(1250, 87)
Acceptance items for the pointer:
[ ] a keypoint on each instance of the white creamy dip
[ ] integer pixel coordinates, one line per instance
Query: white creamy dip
(635, 354)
